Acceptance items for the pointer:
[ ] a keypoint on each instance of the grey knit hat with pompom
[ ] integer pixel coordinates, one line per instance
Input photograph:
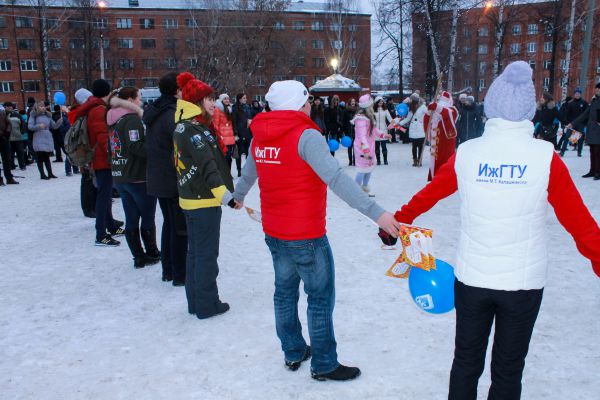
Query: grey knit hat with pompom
(512, 95)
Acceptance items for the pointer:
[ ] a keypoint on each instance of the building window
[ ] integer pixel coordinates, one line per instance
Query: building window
(3, 44)
(57, 85)
(516, 29)
(481, 84)
(467, 67)
(55, 65)
(76, 44)
(336, 44)
(7, 87)
(5, 65)
(148, 43)
(107, 65)
(352, 28)
(301, 43)
(96, 43)
(171, 62)
(318, 26)
(466, 32)
(318, 62)
(531, 47)
(147, 23)
(353, 44)
(170, 43)
(192, 63)
(170, 23)
(300, 62)
(51, 23)
(277, 78)
(31, 86)
(23, 22)
(75, 22)
(547, 47)
(260, 81)
(547, 64)
(300, 78)
(335, 27)
(466, 50)
(598, 66)
(29, 65)
(2, 22)
(148, 63)
(317, 78)
(128, 82)
(532, 29)
(150, 82)
(318, 44)
(100, 23)
(353, 63)
(298, 25)
(483, 31)
(125, 63)
(54, 44)
(515, 48)
(467, 83)
(260, 62)
(546, 82)
(482, 49)
(25, 44)
(532, 64)
(563, 64)
(191, 23)
(76, 64)
(279, 26)
(482, 66)
(125, 43)
(123, 23)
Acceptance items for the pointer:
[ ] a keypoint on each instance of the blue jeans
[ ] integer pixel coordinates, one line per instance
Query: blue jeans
(137, 204)
(362, 178)
(69, 167)
(566, 142)
(312, 262)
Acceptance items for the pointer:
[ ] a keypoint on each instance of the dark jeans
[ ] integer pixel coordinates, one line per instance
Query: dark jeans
(515, 313)
(137, 205)
(243, 147)
(88, 192)
(595, 159)
(351, 159)
(417, 148)
(58, 145)
(311, 262)
(229, 155)
(381, 145)
(202, 269)
(43, 159)
(174, 240)
(30, 150)
(18, 148)
(6, 161)
(104, 217)
(564, 142)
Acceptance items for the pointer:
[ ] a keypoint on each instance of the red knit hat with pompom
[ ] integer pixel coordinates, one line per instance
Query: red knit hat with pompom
(192, 89)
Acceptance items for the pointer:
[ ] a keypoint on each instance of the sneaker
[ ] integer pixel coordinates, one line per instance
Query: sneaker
(117, 232)
(341, 373)
(294, 365)
(118, 223)
(107, 241)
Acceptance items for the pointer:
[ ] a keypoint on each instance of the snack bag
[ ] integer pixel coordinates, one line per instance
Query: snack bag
(417, 251)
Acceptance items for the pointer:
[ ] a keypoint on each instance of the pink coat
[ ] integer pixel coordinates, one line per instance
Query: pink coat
(364, 143)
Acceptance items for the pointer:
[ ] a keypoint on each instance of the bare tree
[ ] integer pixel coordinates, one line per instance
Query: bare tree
(500, 17)
(340, 36)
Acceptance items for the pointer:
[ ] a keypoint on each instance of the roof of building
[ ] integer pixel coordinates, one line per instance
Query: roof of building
(336, 82)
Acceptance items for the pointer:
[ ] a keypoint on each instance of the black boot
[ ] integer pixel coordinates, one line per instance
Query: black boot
(341, 373)
(149, 239)
(135, 246)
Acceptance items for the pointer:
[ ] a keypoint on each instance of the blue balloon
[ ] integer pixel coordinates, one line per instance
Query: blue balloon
(60, 98)
(333, 145)
(346, 141)
(433, 291)
(402, 109)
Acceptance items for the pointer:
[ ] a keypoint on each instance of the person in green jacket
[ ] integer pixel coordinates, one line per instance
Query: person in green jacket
(127, 159)
(204, 184)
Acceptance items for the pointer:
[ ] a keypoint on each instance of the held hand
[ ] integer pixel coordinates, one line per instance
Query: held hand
(238, 205)
(570, 126)
(388, 223)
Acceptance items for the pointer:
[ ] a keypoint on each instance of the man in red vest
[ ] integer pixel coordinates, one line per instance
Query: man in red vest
(294, 167)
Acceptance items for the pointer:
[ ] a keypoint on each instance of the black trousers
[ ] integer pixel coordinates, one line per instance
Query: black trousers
(58, 145)
(515, 313)
(18, 147)
(381, 146)
(243, 148)
(88, 192)
(417, 148)
(351, 160)
(5, 156)
(174, 240)
(43, 159)
(595, 159)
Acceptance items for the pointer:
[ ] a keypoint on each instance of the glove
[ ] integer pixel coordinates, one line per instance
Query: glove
(231, 203)
(386, 238)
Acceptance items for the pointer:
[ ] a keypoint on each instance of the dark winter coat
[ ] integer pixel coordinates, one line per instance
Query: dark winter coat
(333, 121)
(573, 110)
(61, 131)
(470, 123)
(546, 116)
(41, 124)
(127, 154)
(347, 127)
(591, 118)
(159, 117)
(241, 114)
(5, 127)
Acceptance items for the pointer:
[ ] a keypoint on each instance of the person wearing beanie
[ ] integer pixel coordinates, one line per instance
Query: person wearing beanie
(506, 180)
(571, 110)
(204, 184)
(440, 128)
(161, 179)
(291, 161)
(546, 119)
(94, 109)
(382, 119)
(590, 118)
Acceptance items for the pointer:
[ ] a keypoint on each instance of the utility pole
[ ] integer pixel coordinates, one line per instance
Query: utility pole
(587, 43)
(18, 54)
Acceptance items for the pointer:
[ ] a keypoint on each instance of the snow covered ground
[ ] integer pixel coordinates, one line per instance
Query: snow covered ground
(78, 322)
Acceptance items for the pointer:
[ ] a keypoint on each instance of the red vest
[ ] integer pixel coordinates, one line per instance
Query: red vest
(293, 198)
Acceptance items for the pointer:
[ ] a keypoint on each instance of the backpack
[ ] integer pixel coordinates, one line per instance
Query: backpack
(77, 143)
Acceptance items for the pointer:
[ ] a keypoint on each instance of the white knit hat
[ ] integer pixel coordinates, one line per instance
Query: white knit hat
(287, 96)
(82, 95)
(223, 97)
(512, 95)
(365, 101)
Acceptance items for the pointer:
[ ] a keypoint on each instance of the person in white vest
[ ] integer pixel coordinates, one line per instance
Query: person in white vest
(505, 180)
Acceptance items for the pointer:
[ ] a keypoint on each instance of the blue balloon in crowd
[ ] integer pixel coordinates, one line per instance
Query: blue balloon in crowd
(402, 109)
(333, 145)
(346, 141)
(60, 98)
(433, 291)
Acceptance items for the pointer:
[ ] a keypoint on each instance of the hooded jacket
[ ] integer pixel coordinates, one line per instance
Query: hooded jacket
(469, 124)
(40, 124)
(95, 110)
(159, 118)
(224, 126)
(127, 154)
(203, 175)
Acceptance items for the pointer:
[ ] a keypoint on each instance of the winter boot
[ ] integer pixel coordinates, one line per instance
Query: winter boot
(149, 239)
(2, 182)
(135, 246)
(341, 373)
(294, 365)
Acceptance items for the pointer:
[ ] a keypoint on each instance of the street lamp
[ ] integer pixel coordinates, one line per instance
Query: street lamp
(334, 64)
(101, 6)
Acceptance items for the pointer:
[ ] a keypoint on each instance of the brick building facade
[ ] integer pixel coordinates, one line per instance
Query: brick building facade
(529, 37)
(142, 41)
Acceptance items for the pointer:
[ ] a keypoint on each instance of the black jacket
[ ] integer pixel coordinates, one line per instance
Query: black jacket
(127, 150)
(469, 124)
(241, 114)
(547, 115)
(159, 117)
(347, 127)
(573, 110)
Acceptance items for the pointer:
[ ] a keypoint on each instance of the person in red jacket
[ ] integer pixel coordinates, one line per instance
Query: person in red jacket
(95, 110)
(440, 127)
(223, 122)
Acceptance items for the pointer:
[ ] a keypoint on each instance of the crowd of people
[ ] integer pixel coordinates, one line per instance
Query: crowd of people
(179, 152)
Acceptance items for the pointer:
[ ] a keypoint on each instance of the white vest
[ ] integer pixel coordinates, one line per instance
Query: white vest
(503, 186)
